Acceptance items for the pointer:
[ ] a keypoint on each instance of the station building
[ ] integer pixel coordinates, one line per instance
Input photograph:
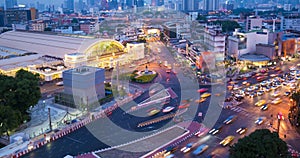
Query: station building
(49, 55)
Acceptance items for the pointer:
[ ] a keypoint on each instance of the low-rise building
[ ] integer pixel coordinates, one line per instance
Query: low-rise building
(243, 43)
(85, 84)
(37, 26)
(290, 21)
(253, 23)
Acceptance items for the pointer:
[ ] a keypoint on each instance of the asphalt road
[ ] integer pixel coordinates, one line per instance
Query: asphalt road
(111, 131)
(247, 113)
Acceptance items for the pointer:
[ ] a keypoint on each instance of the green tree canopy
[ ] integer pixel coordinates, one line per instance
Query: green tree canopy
(47, 29)
(74, 20)
(9, 119)
(27, 91)
(262, 143)
(227, 25)
(201, 18)
(17, 94)
(296, 97)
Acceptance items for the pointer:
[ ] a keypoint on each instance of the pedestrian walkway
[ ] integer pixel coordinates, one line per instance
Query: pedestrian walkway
(26, 146)
(240, 110)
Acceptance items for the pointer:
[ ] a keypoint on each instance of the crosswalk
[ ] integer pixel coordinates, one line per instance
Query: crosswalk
(241, 110)
(247, 114)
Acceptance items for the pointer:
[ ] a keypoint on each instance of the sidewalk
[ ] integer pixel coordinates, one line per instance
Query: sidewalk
(36, 134)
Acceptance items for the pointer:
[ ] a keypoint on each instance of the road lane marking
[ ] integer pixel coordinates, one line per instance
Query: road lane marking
(74, 140)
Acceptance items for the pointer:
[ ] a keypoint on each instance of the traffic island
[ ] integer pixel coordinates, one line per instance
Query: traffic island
(144, 76)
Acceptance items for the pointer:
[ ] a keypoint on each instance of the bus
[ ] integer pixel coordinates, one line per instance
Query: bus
(61, 83)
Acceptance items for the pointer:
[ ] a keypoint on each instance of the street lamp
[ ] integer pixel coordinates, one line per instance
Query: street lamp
(44, 103)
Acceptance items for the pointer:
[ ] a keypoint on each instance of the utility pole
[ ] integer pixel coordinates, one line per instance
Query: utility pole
(49, 115)
(118, 71)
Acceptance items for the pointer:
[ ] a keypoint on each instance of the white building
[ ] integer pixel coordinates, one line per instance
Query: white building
(242, 43)
(73, 60)
(136, 50)
(214, 39)
(253, 23)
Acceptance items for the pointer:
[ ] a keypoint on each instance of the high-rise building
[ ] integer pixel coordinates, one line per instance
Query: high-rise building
(157, 2)
(69, 4)
(190, 5)
(139, 3)
(90, 3)
(211, 5)
(10, 3)
(19, 16)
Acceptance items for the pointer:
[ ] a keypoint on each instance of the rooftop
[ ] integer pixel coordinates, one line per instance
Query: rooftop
(44, 44)
(83, 70)
(254, 57)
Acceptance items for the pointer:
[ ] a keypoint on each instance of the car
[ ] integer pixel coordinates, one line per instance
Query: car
(293, 86)
(227, 140)
(185, 105)
(252, 95)
(261, 78)
(276, 101)
(168, 109)
(260, 120)
(202, 132)
(264, 107)
(267, 89)
(287, 93)
(256, 87)
(275, 94)
(202, 90)
(293, 68)
(241, 130)
(239, 98)
(205, 95)
(261, 92)
(170, 156)
(230, 119)
(187, 148)
(153, 112)
(273, 75)
(274, 87)
(260, 103)
(170, 150)
(244, 82)
(200, 149)
(247, 93)
(263, 83)
(284, 83)
(216, 129)
(200, 100)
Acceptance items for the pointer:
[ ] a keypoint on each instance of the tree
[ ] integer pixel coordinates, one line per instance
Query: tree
(295, 109)
(20, 92)
(227, 25)
(27, 92)
(9, 119)
(74, 20)
(296, 98)
(262, 143)
(201, 18)
(47, 29)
